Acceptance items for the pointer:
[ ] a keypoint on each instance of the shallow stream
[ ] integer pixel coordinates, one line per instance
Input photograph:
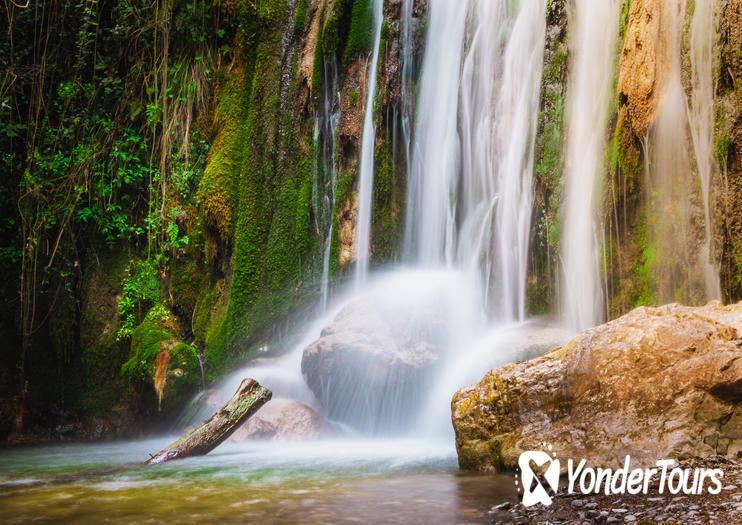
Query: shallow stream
(348, 481)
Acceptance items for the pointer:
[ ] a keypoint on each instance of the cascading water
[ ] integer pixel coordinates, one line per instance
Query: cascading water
(469, 207)
(471, 195)
(589, 90)
(409, 70)
(366, 175)
(326, 159)
(701, 116)
(679, 219)
(429, 234)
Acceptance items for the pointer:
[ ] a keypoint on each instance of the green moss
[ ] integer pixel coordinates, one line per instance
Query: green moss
(301, 229)
(217, 191)
(624, 21)
(146, 341)
(273, 231)
(352, 97)
(185, 283)
(343, 195)
(388, 204)
(549, 144)
(643, 294)
(360, 36)
(300, 16)
(548, 167)
(318, 67)
(210, 312)
(721, 149)
(184, 376)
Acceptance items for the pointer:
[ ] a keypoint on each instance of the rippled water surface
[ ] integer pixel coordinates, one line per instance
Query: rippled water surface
(320, 482)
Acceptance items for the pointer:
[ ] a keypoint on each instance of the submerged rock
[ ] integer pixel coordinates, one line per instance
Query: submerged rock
(284, 420)
(654, 383)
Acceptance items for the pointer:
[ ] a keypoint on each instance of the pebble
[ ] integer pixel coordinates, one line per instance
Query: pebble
(502, 506)
(591, 505)
(577, 503)
(730, 487)
(613, 519)
(619, 511)
(630, 517)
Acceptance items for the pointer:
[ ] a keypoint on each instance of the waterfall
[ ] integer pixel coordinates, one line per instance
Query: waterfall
(701, 117)
(679, 145)
(470, 187)
(460, 299)
(593, 42)
(431, 184)
(330, 111)
(366, 178)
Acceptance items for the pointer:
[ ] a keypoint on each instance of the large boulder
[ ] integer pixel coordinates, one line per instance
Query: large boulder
(371, 366)
(655, 383)
(284, 420)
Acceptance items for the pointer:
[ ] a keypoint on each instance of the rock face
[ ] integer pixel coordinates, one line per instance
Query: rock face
(284, 420)
(369, 365)
(643, 61)
(655, 383)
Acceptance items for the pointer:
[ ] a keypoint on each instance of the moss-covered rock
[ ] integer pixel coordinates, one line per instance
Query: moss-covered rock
(157, 358)
(271, 228)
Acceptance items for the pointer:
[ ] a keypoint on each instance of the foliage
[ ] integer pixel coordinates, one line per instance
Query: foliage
(141, 290)
(99, 144)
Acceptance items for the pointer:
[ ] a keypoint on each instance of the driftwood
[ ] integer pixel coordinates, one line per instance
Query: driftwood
(248, 398)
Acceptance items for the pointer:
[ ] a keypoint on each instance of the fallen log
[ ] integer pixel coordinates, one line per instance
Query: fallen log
(248, 398)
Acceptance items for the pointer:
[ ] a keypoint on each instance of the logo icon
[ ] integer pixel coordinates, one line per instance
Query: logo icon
(537, 493)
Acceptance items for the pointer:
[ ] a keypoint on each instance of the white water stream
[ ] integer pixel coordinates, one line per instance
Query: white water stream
(592, 47)
(681, 162)
(368, 140)
(701, 118)
(470, 188)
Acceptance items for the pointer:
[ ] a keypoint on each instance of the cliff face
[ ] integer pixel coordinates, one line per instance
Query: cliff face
(728, 147)
(651, 225)
(256, 159)
(279, 114)
(272, 196)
